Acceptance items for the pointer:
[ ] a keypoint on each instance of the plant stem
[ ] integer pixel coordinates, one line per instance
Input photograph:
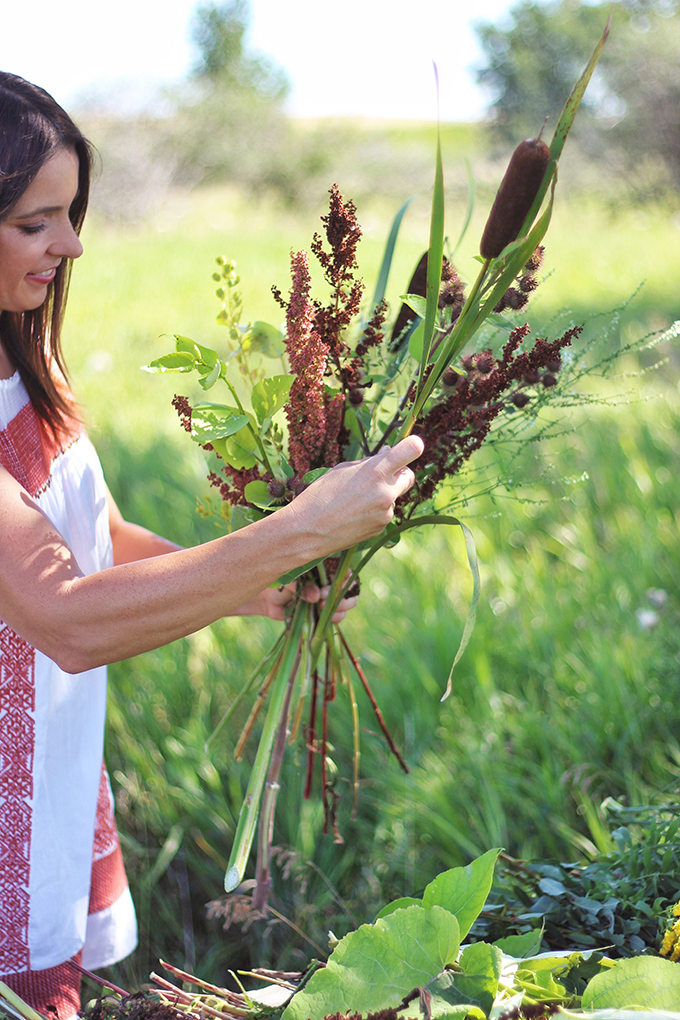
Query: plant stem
(245, 830)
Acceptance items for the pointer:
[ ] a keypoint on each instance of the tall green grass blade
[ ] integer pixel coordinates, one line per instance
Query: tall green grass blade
(563, 127)
(386, 265)
(473, 564)
(247, 819)
(470, 207)
(434, 274)
(16, 1006)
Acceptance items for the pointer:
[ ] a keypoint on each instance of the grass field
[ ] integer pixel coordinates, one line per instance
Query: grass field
(562, 698)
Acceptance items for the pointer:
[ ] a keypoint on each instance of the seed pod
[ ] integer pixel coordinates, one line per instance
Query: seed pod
(515, 196)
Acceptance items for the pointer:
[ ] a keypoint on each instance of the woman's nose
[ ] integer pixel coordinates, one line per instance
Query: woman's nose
(67, 244)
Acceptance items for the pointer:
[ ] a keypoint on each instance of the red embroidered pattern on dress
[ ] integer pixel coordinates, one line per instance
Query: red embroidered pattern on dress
(20, 442)
(57, 987)
(105, 832)
(17, 729)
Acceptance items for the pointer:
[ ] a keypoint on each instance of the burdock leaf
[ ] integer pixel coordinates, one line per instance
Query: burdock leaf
(640, 981)
(204, 354)
(374, 967)
(416, 303)
(463, 891)
(476, 986)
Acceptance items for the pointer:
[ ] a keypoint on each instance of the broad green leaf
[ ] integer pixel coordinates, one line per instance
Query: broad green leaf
(477, 985)
(209, 380)
(261, 338)
(242, 516)
(269, 395)
(415, 344)
(522, 947)
(639, 981)
(315, 473)
(403, 901)
(205, 354)
(214, 421)
(463, 891)
(416, 303)
(258, 493)
(178, 361)
(377, 965)
(238, 450)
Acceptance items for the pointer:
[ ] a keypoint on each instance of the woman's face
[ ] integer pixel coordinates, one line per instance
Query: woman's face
(37, 234)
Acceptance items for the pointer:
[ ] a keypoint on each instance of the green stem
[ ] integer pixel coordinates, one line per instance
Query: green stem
(334, 598)
(253, 432)
(245, 830)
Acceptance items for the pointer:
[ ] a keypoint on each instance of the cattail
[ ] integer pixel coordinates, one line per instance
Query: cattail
(515, 196)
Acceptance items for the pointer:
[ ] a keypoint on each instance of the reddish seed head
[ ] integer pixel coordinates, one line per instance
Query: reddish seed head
(484, 362)
(356, 397)
(515, 197)
(548, 380)
(520, 399)
(451, 378)
(277, 489)
(527, 283)
(554, 366)
(535, 262)
(532, 377)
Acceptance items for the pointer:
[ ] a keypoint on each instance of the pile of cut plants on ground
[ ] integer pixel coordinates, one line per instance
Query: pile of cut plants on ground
(417, 960)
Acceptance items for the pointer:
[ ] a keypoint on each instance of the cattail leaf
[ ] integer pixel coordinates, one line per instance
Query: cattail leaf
(472, 563)
(386, 264)
(564, 124)
(250, 809)
(434, 258)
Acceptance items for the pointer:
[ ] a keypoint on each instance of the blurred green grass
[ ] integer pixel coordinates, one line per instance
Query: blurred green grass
(562, 698)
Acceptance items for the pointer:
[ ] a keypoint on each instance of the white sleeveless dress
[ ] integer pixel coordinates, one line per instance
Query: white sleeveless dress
(62, 881)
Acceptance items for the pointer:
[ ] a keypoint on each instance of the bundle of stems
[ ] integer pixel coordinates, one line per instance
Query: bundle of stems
(452, 411)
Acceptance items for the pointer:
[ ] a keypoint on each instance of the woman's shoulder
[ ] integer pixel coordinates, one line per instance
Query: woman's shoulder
(27, 448)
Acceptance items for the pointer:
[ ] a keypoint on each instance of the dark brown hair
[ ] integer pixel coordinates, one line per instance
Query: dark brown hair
(33, 127)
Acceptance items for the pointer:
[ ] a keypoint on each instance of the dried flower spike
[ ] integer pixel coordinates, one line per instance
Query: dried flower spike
(515, 196)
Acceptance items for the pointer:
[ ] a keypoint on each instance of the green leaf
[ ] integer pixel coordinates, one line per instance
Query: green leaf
(477, 985)
(386, 264)
(215, 421)
(403, 901)
(242, 516)
(261, 338)
(269, 395)
(415, 344)
(293, 575)
(463, 891)
(522, 947)
(257, 492)
(176, 362)
(376, 966)
(416, 303)
(315, 473)
(639, 981)
(204, 354)
(434, 257)
(209, 380)
(237, 450)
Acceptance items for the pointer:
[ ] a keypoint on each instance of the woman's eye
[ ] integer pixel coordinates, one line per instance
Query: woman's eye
(33, 228)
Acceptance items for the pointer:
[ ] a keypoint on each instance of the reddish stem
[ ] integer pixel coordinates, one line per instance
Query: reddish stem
(379, 716)
(311, 738)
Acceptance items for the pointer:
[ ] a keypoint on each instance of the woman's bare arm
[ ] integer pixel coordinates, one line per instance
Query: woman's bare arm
(81, 622)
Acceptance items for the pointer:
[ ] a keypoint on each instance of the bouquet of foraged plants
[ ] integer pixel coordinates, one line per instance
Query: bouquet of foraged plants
(353, 385)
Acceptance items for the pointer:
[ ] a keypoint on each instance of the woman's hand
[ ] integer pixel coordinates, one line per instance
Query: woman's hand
(272, 602)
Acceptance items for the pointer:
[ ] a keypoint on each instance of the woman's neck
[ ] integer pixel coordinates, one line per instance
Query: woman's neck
(6, 367)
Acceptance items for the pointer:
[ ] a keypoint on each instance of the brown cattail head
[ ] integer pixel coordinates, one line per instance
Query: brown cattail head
(515, 197)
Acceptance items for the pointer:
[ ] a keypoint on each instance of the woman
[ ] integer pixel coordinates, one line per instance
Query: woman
(81, 587)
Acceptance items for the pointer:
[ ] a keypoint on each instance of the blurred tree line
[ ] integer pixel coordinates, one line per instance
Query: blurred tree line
(227, 121)
(630, 116)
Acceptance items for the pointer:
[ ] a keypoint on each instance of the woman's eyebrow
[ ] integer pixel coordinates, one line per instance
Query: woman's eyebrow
(39, 212)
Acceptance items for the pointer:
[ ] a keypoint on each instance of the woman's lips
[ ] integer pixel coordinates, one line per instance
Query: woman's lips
(42, 278)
